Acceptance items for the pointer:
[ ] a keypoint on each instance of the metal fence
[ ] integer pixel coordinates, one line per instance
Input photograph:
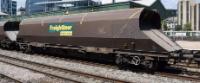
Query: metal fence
(184, 35)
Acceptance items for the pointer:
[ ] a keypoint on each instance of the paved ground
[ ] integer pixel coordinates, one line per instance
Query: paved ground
(190, 45)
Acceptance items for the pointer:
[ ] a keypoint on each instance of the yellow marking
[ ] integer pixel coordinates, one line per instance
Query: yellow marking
(66, 33)
(60, 28)
(134, 14)
(81, 22)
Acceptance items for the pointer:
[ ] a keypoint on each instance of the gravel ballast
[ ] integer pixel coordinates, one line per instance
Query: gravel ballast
(105, 72)
(4, 79)
(26, 76)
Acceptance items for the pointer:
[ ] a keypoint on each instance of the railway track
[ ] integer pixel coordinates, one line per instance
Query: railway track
(185, 66)
(70, 75)
(53, 70)
(163, 74)
(190, 70)
(85, 62)
(10, 78)
(178, 76)
(189, 75)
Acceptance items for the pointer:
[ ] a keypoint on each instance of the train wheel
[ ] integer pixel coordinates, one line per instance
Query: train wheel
(120, 62)
(151, 66)
(198, 63)
(136, 60)
(28, 50)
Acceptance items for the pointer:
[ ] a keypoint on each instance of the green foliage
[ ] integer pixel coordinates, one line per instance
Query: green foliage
(164, 26)
(178, 28)
(187, 27)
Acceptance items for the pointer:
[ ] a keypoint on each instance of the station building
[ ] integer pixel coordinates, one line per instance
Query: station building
(37, 6)
(8, 7)
(156, 5)
(188, 13)
(195, 17)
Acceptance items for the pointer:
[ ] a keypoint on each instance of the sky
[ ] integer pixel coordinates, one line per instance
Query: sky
(171, 4)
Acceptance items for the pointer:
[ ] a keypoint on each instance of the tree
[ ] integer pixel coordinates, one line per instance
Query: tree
(164, 26)
(187, 27)
(178, 28)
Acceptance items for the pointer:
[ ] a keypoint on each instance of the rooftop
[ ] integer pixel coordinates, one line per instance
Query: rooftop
(3, 14)
(168, 4)
(145, 2)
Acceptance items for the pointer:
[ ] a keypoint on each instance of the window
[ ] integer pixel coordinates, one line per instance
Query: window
(195, 14)
(187, 11)
(181, 11)
(199, 17)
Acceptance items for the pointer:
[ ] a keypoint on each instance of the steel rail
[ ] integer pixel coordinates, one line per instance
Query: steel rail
(11, 78)
(176, 76)
(23, 63)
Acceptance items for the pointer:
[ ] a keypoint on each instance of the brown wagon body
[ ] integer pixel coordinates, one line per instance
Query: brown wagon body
(127, 36)
(2, 33)
(116, 29)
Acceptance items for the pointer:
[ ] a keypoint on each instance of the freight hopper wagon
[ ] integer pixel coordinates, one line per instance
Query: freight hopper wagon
(2, 35)
(132, 35)
(8, 34)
